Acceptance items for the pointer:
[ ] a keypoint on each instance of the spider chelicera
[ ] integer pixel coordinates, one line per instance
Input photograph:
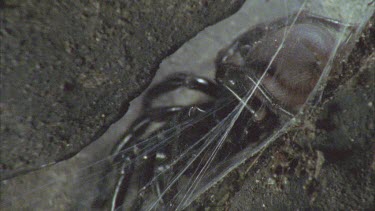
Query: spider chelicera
(280, 62)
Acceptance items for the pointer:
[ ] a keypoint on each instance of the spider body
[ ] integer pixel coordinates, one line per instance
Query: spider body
(301, 53)
(282, 65)
(299, 63)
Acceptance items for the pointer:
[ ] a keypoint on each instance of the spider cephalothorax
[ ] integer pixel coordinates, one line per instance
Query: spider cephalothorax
(278, 65)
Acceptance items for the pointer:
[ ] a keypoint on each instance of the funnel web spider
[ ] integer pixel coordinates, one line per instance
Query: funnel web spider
(271, 70)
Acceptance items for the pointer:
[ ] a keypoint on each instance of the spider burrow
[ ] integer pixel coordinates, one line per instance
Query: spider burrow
(279, 65)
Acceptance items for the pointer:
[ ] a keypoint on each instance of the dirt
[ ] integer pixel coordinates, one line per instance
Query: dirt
(327, 165)
(326, 162)
(69, 69)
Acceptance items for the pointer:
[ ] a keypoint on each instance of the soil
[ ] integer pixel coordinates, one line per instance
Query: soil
(68, 70)
(326, 162)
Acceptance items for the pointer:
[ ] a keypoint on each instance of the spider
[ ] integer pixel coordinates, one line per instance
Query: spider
(280, 65)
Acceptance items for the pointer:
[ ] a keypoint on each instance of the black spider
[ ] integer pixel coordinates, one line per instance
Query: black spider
(280, 72)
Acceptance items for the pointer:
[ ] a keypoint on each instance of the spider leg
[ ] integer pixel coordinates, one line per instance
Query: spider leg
(182, 80)
(140, 125)
(130, 139)
(159, 114)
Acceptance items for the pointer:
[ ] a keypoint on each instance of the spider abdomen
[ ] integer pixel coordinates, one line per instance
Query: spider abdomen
(297, 64)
